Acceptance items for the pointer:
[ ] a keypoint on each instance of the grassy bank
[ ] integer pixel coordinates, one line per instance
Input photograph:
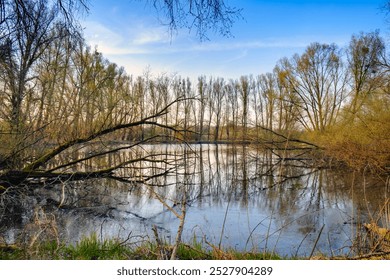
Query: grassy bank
(91, 248)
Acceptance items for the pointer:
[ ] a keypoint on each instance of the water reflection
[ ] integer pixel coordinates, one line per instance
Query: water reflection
(236, 196)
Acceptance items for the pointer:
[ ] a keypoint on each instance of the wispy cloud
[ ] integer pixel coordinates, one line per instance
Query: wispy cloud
(137, 40)
(147, 36)
(143, 40)
(267, 43)
(137, 46)
(107, 41)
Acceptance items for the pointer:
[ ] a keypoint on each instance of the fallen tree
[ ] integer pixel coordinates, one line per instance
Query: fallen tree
(39, 171)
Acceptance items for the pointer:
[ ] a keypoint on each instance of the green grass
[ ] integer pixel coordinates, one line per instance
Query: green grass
(92, 248)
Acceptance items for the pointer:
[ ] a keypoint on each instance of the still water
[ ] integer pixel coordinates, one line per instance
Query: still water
(236, 197)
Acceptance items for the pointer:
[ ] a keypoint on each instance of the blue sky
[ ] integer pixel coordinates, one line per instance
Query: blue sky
(129, 33)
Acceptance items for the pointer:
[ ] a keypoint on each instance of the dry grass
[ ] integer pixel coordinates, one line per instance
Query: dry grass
(374, 241)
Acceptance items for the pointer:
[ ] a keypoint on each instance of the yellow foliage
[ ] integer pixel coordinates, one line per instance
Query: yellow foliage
(361, 140)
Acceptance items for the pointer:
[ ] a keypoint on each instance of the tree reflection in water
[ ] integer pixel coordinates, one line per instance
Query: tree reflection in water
(236, 196)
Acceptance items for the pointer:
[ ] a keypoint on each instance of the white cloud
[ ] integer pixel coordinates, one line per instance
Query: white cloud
(293, 42)
(139, 40)
(156, 40)
(138, 46)
(146, 36)
(242, 54)
(95, 32)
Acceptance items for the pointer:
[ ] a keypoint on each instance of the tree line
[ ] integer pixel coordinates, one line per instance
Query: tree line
(73, 88)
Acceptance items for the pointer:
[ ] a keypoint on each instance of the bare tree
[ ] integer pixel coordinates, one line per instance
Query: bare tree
(245, 88)
(28, 29)
(287, 100)
(232, 91)
(197, 14)
(218, 96)
(266, 85)
(318, 78)
(365, 62)
(202, 103)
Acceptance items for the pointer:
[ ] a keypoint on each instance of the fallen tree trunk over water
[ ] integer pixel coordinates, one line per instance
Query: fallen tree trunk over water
(38, 171)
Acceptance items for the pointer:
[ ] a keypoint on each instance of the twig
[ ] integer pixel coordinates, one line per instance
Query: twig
(365, 256)
(160, 251)
(181, 226)
(315, 243)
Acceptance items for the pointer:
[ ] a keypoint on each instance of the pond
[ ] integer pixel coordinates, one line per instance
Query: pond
(236, 197)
